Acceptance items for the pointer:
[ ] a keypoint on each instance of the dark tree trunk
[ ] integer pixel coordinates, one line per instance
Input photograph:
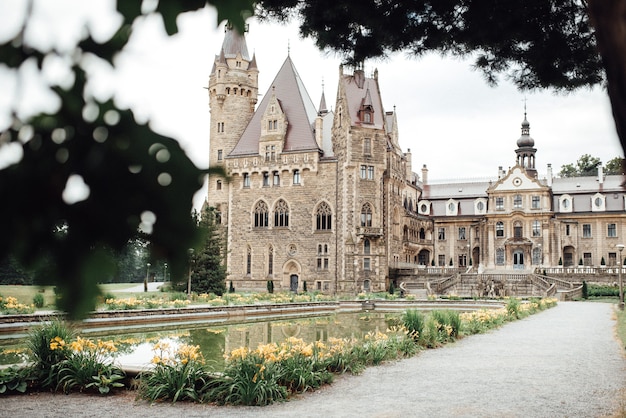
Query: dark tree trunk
(609, 20)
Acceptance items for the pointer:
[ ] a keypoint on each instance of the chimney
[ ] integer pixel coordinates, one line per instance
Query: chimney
(500, 172)
(549, 176)
(600, 174)
(424, 174)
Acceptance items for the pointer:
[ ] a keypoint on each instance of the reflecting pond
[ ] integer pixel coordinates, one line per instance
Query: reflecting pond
(135, 349)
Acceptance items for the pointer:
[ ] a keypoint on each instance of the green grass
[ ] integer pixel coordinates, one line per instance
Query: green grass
(25, 294)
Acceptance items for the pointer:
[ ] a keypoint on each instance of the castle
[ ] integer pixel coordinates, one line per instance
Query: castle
(327, 200)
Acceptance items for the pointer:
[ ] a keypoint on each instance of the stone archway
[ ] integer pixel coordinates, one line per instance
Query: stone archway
(292, 276)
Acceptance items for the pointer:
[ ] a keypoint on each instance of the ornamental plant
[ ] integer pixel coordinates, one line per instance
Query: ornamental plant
(89, 365)
(48, 345)
(179, 373)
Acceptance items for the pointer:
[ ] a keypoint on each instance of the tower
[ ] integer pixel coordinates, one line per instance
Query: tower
(233, 91)
(526, 149)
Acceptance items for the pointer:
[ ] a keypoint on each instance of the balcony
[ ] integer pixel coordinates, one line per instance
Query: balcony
(368, 231)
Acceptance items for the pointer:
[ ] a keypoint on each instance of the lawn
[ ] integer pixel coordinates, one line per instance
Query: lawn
(25, 294)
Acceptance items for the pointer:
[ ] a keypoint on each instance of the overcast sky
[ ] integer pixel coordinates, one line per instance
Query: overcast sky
(447, 115)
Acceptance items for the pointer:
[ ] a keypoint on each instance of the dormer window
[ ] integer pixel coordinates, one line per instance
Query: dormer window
(367, 117)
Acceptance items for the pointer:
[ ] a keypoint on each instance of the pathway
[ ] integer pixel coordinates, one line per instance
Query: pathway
(563, 362)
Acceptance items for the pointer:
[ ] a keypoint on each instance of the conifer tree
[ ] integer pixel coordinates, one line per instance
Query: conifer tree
(208, 273)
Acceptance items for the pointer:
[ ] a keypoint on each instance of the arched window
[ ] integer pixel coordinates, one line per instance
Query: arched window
(517, 229)
(281, 214)
(366, 247)
(261, 215)
(366, 215)
(323, 217)
(499, 229)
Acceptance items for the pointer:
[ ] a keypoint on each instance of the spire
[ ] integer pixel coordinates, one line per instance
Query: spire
(234, 43)
(526, 151)
(322, 109)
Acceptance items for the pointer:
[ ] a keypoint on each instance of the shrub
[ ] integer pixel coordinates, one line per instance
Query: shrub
(16, 379)
(49, 345)
(513, 308)
(89, 366)
(247, 381)
(231, 288)
(392, 288)
(178, 374)
(585, 290)
(413, 321)
(38, 300)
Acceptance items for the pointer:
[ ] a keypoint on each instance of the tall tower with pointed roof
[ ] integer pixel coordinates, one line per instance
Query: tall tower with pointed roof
(526, 149)
(233, 91)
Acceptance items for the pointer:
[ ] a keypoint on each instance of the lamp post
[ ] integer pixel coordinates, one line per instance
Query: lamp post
(145, 282)
(189, 278)
(620, 248)
(467, 262)
(165, 272)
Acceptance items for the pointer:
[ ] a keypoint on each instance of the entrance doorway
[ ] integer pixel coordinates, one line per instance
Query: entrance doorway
(518, 260)
(293, 283)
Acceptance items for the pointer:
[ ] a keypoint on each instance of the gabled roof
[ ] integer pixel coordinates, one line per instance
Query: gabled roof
(361, 90)
(299, 110)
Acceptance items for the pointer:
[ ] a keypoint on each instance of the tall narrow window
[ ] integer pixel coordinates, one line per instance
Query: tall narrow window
(586, 230)
(266, 179)
(500, 256)
(441, 234)
(281, 214)
(499, 229)
(366, 215)
(536, 228)
(249, 261)
(517, 230)
(323, 217)
(462, 233)
(367, 265)
(296, 176)
(261, 215)
(366, 247)
(246, 180)
(367, 146)
(517, 201)
(270, 261)
(499, 203)
(218, 185)
(370, 172)
(567, 230)
(220, 155)
(363, 172)
(276, 176)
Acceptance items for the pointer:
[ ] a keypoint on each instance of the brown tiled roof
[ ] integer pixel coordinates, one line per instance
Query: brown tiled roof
(298, 108)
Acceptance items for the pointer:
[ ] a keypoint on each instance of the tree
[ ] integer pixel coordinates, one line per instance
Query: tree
(208, 271)
(585, 166)
(557, 44)
(128, 176)
(614, 166)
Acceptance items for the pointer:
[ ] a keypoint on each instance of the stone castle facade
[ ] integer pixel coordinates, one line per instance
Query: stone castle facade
(328, 199)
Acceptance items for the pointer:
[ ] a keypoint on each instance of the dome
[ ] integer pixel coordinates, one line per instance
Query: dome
(525, 140)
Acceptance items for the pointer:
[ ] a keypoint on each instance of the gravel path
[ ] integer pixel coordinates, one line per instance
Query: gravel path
(563, 362)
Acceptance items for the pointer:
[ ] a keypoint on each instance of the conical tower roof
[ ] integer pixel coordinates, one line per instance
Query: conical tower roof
(298, 108)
